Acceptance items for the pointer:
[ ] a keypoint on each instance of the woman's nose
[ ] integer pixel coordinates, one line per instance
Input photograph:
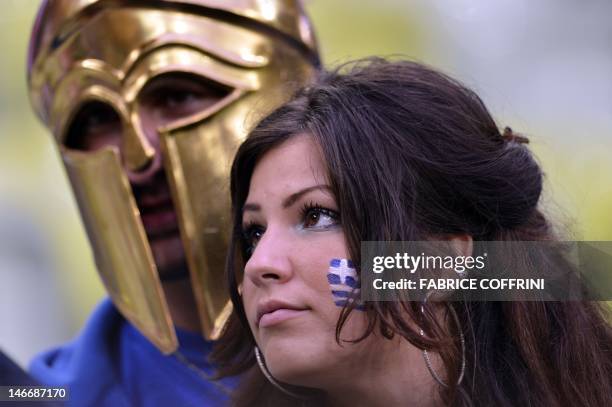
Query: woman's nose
(270, 261)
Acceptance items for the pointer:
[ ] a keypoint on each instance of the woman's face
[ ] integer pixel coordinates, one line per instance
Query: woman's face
(292, 224)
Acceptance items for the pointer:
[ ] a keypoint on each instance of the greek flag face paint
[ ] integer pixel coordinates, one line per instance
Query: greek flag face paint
(344, 283)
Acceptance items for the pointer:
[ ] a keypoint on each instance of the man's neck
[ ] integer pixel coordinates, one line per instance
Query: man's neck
(182, 304)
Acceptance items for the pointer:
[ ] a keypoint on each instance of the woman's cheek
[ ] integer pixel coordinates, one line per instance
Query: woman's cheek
(344, 284)
(248, 301)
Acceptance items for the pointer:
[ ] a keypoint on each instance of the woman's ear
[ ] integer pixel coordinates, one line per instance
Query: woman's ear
(463, 244)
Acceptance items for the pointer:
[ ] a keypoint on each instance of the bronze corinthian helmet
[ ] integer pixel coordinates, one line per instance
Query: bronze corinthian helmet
(107, 53)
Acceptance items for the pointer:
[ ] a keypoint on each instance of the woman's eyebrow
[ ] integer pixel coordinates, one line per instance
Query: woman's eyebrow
(253, 207)
(290, 200)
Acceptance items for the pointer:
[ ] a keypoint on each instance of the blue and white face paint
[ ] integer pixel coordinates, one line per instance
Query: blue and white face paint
(344, 283)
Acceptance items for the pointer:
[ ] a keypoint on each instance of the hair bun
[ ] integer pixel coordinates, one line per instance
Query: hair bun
(509, 135)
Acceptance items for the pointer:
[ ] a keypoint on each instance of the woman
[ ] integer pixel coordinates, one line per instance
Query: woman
(392, 151)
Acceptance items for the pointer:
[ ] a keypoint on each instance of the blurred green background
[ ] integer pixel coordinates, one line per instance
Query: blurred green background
(544, 69)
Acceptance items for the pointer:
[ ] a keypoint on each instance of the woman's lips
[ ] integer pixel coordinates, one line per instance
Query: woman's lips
(275, 311)
(278, 316)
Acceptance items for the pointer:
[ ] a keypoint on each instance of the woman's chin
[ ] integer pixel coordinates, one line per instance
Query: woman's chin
(294, 368)
(296, 374)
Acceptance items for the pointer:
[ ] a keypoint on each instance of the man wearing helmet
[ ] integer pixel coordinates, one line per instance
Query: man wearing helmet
(147, 101)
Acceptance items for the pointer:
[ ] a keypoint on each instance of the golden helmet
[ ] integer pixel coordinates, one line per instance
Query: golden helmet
(108, 52)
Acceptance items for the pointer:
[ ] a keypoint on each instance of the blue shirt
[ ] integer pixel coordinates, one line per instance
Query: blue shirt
(111, 364)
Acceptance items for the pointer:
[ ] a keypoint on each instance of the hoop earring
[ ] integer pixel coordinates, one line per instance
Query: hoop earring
(461, 338)
(268, 375)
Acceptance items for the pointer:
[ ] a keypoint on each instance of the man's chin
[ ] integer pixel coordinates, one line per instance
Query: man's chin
(169, 258)
(178, 273)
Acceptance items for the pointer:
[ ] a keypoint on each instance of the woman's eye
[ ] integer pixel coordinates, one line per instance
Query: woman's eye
(320, 218)
(252, 235)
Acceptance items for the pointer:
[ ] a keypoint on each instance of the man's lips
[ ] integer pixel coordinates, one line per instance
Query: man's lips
(273, 312)
(156, 207)
(154, 201)
(158, 215)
